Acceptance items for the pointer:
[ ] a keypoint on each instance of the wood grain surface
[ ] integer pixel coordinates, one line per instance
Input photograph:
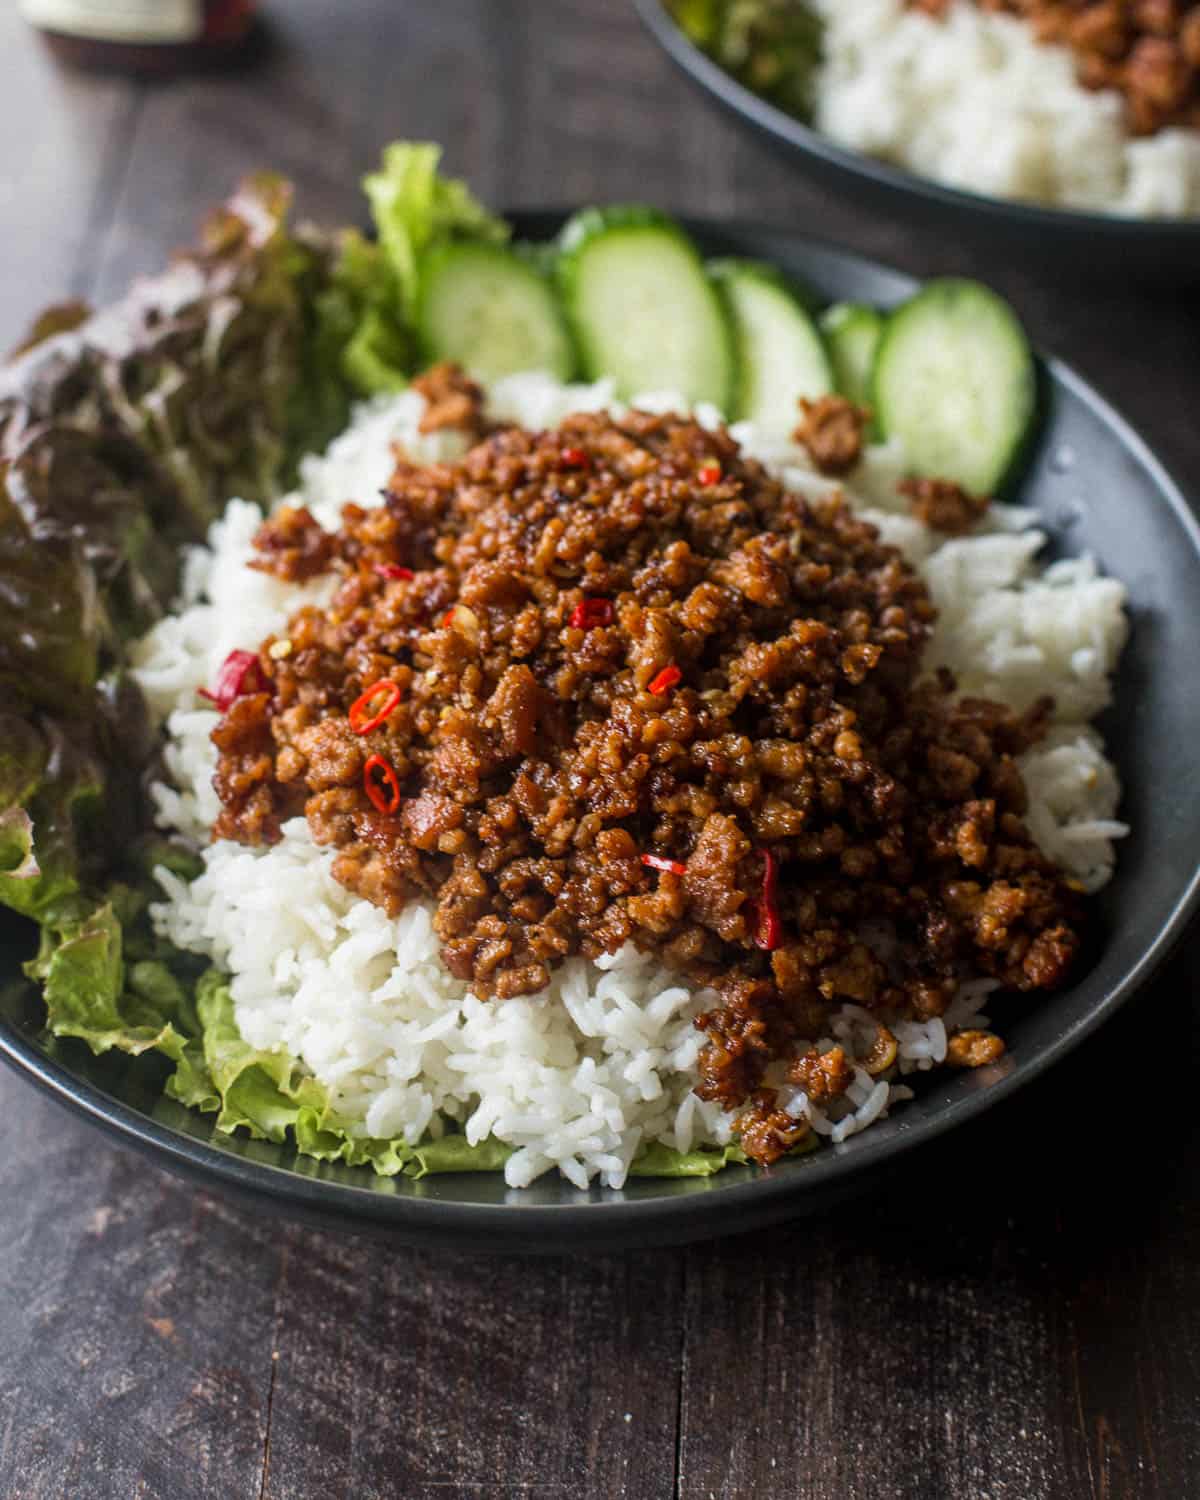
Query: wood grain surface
(1015, 1315)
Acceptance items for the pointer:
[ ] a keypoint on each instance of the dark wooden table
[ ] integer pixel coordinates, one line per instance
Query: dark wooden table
(1016, 1317)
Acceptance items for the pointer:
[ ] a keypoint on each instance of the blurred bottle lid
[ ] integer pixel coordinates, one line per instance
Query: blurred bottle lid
(143, 36)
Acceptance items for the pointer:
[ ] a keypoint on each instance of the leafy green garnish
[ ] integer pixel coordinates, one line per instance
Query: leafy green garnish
(357, 345)
(120, 439)
(90, 995)
(414, 209)
(361, 320)
(658, 1160)
(771, 46)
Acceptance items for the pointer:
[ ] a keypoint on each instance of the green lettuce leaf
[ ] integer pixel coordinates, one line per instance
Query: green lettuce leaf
(360, 324)
(22, 766)
(69, 791)
(657, 1160)
(17, 859)
(414, 208)
(454, 1153)
(83, 973)
(375, 357)
(51, 786)
(268, 1093)
(362, 320)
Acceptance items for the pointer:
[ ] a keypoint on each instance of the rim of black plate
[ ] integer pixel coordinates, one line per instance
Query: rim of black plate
(758, 1198)
(790, 131)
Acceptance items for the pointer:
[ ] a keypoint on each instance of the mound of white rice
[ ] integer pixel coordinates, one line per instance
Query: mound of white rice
(975, 101)
(585, 1074)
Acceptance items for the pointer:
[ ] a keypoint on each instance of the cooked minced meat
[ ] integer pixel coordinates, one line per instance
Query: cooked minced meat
(832, 429)
(629, 689)
(942, 504)
(452, 399)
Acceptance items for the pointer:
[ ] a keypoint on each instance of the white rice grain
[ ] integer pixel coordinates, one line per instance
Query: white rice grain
(975, 101)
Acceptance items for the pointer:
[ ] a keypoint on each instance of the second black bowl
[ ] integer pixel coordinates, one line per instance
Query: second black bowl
(1155, 251)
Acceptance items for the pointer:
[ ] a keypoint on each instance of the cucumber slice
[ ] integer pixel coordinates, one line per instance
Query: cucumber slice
(781, 355)
(954, 380)
(852, 333)
(490, 311)
(642, 308)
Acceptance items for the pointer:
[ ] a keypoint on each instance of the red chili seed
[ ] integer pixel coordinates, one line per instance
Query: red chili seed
(384, 798)
(590, 613)
(656, 862)
(665, 680)
(362, 721)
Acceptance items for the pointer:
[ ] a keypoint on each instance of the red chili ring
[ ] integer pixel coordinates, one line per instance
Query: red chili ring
(378, 763)
(665, 681)
(768, 929)
(574, 458)
(239, 673)
(361, 704)
(657, 862)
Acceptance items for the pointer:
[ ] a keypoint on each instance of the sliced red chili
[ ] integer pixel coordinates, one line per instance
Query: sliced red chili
(574, 458)
(709, 473)
(381, 784)
(657, 862)
(362, 719)
(393, 570)
(768, 929)
(665, 681)
(590, 613)
(240, 673)
(448, 618)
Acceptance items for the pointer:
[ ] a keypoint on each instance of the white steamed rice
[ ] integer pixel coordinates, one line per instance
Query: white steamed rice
(975, 101)
(585, 1074)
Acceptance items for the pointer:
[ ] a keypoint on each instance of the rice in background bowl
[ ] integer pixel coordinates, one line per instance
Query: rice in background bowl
(975, 101)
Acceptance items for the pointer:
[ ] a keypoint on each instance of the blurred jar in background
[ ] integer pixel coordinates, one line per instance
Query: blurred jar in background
(143, 36)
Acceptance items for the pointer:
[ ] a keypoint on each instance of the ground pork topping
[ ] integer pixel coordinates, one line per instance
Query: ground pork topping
(942, 504)
(452, 399)
(612, 683)
(1148, 50)
(832, 430)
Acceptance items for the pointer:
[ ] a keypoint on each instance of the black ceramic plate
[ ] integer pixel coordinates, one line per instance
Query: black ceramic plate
(1157, 251)
(1100, 491)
